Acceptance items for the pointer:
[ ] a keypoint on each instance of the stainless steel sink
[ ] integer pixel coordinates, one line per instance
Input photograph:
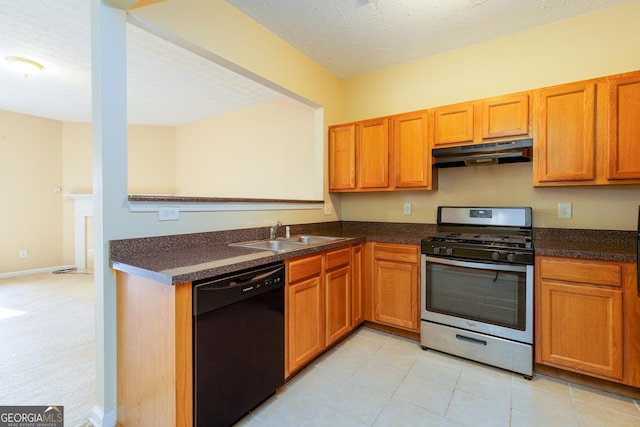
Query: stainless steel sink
(284, 245)
(313, 239)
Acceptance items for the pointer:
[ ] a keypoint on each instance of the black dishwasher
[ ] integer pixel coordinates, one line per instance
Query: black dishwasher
(238, 331)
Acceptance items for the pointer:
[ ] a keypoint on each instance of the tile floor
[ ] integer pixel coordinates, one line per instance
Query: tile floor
(376, 379)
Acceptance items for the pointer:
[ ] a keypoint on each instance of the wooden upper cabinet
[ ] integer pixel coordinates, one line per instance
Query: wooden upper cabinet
(453, 124)
(342, 157)
(373, 154)
(382, 154)
(566, 133)
(623, 148)
(505, 116)
(476, 121)
(411, 153)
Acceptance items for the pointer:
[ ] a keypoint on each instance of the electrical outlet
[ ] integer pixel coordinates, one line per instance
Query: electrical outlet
(407, 208)
(327, 209)
(564, 210)
(22, 253)
(168, 213)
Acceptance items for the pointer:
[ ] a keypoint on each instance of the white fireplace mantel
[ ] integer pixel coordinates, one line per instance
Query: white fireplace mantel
(83, 207)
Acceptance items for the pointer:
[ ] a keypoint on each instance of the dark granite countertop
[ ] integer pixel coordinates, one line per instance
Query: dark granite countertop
(183, 258)
(610, 245)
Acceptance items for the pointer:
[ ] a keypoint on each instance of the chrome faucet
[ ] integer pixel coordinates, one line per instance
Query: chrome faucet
(274, 230)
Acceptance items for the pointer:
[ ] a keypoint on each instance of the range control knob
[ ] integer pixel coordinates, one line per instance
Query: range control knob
(436, 250)
(449, 251)
(495, 256)
(511, 257)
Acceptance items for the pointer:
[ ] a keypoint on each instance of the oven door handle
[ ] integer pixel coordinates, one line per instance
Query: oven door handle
(477, 265)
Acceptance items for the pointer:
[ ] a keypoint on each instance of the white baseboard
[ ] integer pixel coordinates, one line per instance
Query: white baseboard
(35, 271)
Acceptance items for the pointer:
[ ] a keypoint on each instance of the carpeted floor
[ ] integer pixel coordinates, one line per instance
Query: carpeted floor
(47, 343)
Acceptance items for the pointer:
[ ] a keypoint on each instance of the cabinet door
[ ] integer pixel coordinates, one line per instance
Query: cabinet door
(566, 134)
(357, 285)
(624, 128)
(453, 124)
(373, 154)
(395, 294)
(337, 304)
(411, 153)
(305, 322)
(505, 116)
(581, 328)
(342, 157)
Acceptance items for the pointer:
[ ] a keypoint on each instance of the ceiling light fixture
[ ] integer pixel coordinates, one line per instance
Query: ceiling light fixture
(24, 66)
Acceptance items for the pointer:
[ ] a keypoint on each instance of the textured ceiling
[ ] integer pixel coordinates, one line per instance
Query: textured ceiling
(169, 85)
(351, 37)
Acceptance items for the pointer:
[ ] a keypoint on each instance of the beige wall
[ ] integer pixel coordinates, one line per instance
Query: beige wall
(30, 168)
(151, 169)
(152, 159)
(263, 151)
(594, 45)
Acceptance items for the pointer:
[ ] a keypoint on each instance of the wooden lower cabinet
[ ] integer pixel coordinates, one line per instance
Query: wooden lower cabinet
(582, 317)
(357, 285)
(395, 285)
(304, 311)
(337, 291)
(319, 305)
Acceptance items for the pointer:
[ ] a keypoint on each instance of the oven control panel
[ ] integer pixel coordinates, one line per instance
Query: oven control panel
(501, 255)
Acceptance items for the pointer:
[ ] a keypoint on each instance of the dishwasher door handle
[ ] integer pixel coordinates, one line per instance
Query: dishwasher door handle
(257, 278)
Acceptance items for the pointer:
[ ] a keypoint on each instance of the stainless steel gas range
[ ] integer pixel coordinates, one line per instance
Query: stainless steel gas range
(477, 286)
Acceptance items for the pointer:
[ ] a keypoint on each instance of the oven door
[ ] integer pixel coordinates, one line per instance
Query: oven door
(493, 299)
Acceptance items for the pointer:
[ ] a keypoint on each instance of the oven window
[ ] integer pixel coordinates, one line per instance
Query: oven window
(489, 296)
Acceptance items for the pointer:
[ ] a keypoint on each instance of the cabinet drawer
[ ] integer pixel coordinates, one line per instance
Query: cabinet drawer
(338, 258)
(396, 252)
(301, 268)
(592, 272)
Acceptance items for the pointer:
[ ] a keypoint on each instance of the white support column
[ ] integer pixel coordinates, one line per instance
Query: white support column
(109, 152)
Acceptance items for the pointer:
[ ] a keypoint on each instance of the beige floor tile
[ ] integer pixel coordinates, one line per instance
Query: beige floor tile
(424, 393)
(401, 413)
(535, 407)
(399, 354)
(520, 418)
(317, 381)
(597, 416)
(358, 401)
(373, 334)
(381, 376)
(430, 365)
(343, 360)
(288, 408)
(545, 383)
(484, 383)
(603, 399)
(364, 345)
(326, 416)
(475, 411)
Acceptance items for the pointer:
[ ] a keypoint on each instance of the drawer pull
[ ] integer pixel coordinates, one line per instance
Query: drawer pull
(471, 340)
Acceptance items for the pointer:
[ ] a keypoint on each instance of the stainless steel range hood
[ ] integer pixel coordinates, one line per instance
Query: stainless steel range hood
(484, 154)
